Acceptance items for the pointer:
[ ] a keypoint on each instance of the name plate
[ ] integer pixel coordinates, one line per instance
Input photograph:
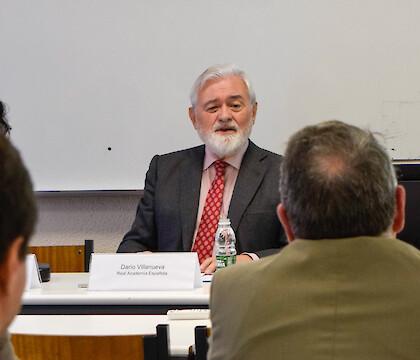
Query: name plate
(145, 271)
(33, 278)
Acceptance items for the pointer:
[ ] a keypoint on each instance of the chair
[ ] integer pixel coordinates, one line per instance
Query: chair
(52, 347)
(68, 258)
(201, 346)
(158, 345)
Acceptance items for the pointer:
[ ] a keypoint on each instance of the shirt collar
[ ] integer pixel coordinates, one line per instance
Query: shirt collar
(234, 160)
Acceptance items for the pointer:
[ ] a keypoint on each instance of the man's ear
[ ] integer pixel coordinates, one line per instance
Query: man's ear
(191, 114)
(284, 219)
(10, 264)
(254, 112)
(399, 217)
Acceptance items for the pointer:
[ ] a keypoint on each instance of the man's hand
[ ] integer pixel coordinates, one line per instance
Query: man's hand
(243, 258)
(208, 266)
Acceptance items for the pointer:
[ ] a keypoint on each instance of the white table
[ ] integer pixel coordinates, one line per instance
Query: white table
(181, 332)
(66, 293)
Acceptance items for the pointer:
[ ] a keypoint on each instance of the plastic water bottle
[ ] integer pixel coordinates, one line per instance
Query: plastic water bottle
(225, 244)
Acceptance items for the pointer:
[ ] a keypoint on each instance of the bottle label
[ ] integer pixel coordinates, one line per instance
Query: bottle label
(223, 261)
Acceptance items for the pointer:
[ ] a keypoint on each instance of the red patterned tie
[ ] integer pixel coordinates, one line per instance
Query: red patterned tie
(204, 239)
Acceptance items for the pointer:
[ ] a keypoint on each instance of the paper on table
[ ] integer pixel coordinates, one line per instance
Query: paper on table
(206, 277)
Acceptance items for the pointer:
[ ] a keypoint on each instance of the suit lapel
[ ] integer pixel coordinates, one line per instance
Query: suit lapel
(251, 174)
(191, 173)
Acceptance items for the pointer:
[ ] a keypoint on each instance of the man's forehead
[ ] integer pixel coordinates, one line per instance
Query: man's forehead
(230, 86)
(215, 99)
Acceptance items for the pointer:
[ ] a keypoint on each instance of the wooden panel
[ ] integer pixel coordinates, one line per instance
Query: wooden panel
(61, 258)
(39, 347)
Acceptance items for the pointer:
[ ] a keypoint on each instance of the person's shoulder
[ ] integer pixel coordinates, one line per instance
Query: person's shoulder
(183, 153)
(405, 249)
(241, 275)
(264, 152)
(6, 349)
(175, 158)
(399, 255)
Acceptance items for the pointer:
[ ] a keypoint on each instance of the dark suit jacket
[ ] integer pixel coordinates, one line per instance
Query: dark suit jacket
(167, 213)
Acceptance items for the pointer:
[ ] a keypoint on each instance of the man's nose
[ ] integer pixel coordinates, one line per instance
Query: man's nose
(225, 113)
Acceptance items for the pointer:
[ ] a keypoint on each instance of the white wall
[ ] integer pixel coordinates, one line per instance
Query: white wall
(67, 220)
(84, 75)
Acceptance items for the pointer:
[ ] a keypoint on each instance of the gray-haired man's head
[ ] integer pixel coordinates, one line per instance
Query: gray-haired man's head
(223, 109)
(337, 181)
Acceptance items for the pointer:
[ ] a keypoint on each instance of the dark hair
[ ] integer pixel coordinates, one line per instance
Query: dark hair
(337, 181)
(4, 125)
(17, 203)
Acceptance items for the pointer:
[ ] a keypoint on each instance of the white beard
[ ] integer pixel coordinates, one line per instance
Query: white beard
(224, 146)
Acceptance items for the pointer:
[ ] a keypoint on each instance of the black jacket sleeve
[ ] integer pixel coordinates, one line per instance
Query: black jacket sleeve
(142, 235)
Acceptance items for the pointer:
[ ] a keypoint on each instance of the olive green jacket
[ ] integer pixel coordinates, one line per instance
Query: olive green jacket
(353, 298)
(6, 349)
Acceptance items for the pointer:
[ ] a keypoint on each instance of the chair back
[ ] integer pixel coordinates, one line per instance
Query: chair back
(52, 347)
(66, 258)
(158, 346)
(41, 347)
(201, 346)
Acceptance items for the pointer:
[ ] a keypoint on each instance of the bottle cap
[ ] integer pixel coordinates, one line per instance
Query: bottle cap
(224, 221)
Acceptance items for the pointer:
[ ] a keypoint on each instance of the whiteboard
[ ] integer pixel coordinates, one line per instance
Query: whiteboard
(95, 88)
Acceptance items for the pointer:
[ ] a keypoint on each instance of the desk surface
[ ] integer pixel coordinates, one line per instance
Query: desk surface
(181, 332)
(66, 293)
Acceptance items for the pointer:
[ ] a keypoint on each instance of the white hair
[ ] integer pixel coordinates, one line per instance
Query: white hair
(219, 72)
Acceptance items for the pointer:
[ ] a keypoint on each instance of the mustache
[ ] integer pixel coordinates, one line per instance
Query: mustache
(231, 126)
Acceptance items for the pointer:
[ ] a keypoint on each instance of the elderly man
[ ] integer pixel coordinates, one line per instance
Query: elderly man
(227, 176)
(17, 220)
(345, 287)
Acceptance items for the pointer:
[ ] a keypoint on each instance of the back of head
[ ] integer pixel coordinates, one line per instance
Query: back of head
(17, 202)
(218, 72)
(337, 181)
(4, 125)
